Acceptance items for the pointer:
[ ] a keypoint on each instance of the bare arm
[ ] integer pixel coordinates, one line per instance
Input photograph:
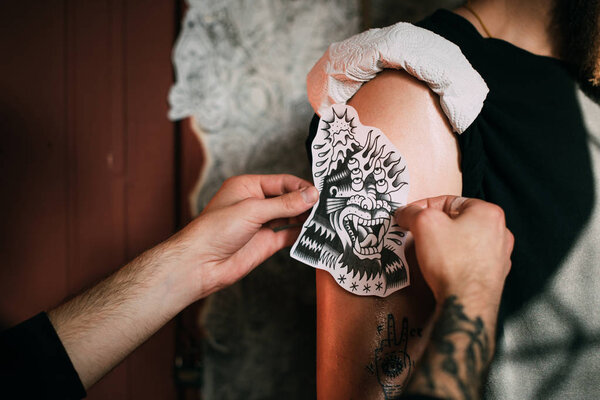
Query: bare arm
(356, 336)
(232, 236)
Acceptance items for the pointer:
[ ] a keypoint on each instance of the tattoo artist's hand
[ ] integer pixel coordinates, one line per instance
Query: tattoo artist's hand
(234, 233)
(462, 245)
(100, 327)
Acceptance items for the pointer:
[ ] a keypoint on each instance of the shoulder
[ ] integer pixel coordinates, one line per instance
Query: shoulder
(410, 115)
(396, 98)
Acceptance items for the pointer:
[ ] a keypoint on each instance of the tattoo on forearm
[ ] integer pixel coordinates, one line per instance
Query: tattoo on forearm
(457, 357)
(391, 363)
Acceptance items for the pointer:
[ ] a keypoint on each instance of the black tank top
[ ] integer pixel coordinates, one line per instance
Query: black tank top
(527, 151)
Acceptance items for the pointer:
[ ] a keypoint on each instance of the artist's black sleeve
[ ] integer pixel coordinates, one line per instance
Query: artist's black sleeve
(419, 397)
(34, 364)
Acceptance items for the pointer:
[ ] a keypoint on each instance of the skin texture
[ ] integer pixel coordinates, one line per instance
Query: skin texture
(526, 24)
(234, 234)
(347, 335)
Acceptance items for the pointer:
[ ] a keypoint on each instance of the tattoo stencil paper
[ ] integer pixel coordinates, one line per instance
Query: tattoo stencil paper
(362, 180)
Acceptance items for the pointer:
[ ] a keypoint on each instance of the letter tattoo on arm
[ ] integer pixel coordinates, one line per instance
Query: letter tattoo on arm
(392, 364)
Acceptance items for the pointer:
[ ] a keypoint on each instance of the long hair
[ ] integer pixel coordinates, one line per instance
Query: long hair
(576, 24)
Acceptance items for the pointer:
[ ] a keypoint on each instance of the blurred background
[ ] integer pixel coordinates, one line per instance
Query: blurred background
(119, 118)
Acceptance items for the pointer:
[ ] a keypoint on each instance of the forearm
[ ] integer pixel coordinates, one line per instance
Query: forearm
(460, 350)
(100, 327)
(350, 331)
(103, 325)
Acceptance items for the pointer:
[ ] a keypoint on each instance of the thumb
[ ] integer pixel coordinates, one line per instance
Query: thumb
(406, 216)
(285, 206)
(452, 206)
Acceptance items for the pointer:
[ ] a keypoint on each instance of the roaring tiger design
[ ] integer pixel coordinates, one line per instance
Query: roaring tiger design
(350, 233)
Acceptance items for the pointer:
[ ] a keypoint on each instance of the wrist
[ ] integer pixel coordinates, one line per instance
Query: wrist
(170, 275)
(476, 295)
(460, 350)
(474, 306)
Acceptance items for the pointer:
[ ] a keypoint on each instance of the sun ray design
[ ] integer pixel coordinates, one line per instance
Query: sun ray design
(337, 139)
(362, 179)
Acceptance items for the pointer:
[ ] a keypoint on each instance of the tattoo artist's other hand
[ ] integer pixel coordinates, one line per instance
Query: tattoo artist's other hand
(462, 245)
(235, 232)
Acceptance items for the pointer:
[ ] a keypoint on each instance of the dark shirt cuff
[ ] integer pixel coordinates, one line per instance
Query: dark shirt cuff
(35, 364)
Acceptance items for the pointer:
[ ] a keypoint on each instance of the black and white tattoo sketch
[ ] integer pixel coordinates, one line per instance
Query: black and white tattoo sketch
(362, 180)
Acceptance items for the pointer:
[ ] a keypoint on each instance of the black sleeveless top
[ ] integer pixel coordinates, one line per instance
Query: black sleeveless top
(526, 152)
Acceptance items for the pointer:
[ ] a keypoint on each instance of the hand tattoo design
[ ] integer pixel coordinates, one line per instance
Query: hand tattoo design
(392, 362)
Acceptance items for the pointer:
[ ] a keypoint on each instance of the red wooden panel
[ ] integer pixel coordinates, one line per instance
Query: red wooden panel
(150, 135)
(87, 160)
(151, 170)
(96, 135)
(32, 158)
(95, 116)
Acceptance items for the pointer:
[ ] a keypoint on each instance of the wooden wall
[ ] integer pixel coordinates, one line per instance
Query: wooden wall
(90, 168)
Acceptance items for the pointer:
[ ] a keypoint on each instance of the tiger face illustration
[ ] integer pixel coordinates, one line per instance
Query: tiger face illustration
(362, 179)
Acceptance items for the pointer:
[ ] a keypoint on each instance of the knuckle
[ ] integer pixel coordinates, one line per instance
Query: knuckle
(232, 180)
(249, 206)
(507, 268)
(511, 238)
(288, 202)
(495, 212)
(426, 218)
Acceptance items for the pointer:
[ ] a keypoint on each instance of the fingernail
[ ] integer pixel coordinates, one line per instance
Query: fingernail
(309, 194)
